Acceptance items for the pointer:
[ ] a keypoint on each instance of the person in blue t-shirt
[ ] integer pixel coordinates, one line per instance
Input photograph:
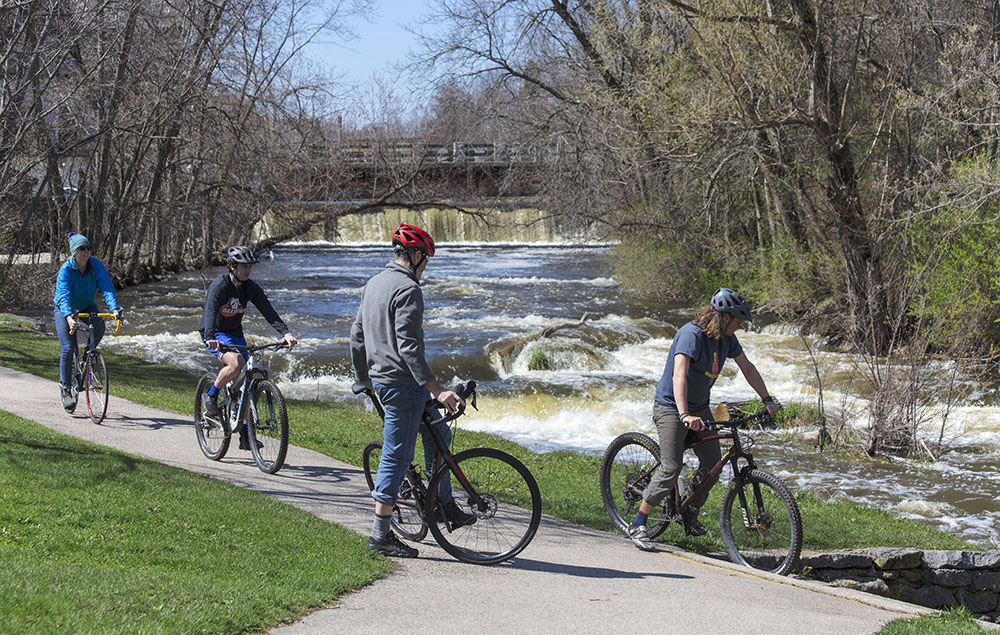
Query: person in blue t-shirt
(78, 281)
(697, 354)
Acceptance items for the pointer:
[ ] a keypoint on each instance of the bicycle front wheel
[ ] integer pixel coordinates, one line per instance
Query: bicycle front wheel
(267, 425)
(761, 524)
(408, 513)
(212, 437)
(502, 494)
(626, 469)
(95, 383)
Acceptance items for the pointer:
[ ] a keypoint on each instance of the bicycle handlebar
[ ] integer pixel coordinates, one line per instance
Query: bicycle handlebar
(735, 423)
(118, 320)
(465, 391)
(232, 348)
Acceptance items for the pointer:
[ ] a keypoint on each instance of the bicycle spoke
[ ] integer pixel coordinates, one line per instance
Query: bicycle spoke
(505, 501)
(268, 427)
(768, 533)
(626, 469)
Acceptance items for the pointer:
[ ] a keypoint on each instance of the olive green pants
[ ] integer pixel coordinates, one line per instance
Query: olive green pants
(672, 436)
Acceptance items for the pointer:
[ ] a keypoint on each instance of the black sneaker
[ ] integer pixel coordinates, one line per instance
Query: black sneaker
(456, 517)
(68, 400)
(390, 545)
(245, 441)
(691, 525)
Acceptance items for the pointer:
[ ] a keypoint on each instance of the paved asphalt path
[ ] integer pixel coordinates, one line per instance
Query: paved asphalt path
(569, 579)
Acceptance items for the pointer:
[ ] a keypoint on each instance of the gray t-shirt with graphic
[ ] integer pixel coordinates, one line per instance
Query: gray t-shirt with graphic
(707, 357)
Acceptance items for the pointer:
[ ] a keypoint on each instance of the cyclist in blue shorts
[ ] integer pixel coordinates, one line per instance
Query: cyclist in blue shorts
(222, 322)
(79, 279)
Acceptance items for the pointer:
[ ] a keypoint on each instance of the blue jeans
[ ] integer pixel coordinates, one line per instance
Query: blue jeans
(404, 408)
(67, 342)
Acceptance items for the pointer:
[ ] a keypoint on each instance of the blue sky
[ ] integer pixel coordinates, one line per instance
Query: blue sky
(380, 43)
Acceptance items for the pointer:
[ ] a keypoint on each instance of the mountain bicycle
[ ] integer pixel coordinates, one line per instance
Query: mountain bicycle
(251, 405)
(91, 374)
(490, 484)
(766, 532)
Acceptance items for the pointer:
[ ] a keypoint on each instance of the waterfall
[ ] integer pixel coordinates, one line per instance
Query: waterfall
(524, 225)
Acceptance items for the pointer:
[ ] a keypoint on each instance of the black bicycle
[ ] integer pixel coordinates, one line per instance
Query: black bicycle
(252, 399)
(760, 521)
(91, 373)
(490, 484)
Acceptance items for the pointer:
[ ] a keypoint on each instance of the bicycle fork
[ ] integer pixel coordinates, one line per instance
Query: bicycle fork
(739, 482)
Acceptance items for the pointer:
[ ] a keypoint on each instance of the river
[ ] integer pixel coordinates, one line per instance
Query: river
(486, 305)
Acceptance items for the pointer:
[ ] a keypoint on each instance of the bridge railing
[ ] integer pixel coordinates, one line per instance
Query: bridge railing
(403, 152)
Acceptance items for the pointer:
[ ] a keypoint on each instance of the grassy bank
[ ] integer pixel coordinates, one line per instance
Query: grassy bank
(95, 540)
(568, 481)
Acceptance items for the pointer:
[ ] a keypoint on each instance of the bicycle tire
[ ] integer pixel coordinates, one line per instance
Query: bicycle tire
(626, 469)
(768, 536)
(267, 426)
(408, 512)
(95, 384)
(212, 437)
(508, 515)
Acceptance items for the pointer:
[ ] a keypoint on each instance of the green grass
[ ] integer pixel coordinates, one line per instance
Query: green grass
(568, 481)
(95, 540)
(951, 622)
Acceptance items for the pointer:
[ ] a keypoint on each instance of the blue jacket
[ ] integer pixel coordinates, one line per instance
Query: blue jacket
(75, 291)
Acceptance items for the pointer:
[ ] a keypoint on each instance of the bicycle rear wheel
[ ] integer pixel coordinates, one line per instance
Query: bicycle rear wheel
(95, 383)
(408, 513)
(767, 533)
(267, 425)
(212, 437)
(626, 469)
(503, 496)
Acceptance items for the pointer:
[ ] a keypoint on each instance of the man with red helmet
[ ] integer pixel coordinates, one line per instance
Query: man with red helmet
(387, 353)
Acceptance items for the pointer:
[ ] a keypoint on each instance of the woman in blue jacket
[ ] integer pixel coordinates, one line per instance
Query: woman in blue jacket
(79, 279)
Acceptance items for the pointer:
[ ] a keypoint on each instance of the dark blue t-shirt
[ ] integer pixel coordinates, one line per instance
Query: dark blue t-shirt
(707, 357)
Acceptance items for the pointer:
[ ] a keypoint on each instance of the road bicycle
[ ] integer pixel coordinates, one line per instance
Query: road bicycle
(91, 376)
(760, 521)
(490, 484)
(251, 405)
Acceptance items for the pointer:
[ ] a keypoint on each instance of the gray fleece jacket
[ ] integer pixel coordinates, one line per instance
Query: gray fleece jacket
(387, 337)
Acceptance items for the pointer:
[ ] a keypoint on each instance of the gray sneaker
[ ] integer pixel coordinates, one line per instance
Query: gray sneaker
(211, 404)
(640, 537)
(390, 545)
(68, 400)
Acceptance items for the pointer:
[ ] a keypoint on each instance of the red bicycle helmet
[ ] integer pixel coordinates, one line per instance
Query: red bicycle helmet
(410, 236)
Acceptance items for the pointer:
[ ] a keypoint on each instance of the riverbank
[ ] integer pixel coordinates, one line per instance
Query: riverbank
(568, 480)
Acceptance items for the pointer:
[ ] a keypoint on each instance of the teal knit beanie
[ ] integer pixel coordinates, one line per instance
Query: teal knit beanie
(76, 241)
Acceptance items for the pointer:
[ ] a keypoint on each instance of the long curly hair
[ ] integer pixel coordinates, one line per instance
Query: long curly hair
(710, 321)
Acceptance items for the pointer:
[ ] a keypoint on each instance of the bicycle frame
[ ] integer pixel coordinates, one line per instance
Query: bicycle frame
(732, 456)
(443, 458)
(252, 373)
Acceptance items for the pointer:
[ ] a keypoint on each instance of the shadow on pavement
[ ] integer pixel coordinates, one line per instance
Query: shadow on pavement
(589, 572)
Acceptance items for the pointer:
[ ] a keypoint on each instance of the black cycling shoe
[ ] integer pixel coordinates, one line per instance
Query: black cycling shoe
(692, 527)
(211, 404)
(392, 546)
(68, 400)
(245, 441)
(456, 517)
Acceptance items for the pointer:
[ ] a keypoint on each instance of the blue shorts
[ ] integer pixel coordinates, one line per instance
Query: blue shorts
(226, 338)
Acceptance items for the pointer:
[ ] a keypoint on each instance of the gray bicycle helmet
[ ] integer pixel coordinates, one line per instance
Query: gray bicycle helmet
(241, 254)
(728, 301)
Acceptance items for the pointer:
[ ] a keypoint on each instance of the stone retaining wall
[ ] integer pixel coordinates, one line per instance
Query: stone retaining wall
(936, 579)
